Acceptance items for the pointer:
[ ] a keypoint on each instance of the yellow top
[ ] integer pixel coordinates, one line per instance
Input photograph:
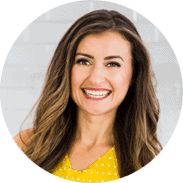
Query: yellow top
(103, 169)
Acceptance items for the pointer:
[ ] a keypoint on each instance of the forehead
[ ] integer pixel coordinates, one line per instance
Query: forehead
(105, 43)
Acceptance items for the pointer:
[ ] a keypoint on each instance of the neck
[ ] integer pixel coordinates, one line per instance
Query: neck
(94, 130)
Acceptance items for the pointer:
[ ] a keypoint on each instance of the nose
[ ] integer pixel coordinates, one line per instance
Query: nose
(96, 75)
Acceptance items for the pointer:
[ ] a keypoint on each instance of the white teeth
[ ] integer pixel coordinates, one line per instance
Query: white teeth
(96, 94)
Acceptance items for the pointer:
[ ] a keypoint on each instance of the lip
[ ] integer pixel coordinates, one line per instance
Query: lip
(96, 89)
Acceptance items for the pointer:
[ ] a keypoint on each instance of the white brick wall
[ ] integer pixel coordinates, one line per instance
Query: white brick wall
(29, 57)
(43, 33)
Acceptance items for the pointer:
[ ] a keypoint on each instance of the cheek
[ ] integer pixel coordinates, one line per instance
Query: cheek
(122, 82)
(73, 76)
(74, 84)
(76, 78)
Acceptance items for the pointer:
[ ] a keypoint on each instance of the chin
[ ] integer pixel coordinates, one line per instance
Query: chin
(98, 112)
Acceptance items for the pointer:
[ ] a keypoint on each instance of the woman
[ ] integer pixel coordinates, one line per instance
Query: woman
(98, 110)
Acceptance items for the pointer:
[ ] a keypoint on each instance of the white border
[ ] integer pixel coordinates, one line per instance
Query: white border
(16, 15)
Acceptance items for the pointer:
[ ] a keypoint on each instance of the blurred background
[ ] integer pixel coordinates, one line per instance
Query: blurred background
(29, 57)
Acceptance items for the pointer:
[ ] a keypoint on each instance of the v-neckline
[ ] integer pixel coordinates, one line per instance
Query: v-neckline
(70, 166)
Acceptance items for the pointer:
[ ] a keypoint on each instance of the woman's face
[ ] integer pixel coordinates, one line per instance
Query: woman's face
(101, 73)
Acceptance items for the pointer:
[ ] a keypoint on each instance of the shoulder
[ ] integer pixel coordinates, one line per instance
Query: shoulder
(23, 137)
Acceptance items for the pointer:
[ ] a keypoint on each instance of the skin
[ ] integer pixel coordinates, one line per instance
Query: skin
(94, 69)
(94, 135)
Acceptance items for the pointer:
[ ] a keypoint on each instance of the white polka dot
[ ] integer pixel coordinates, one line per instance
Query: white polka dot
(107, 162)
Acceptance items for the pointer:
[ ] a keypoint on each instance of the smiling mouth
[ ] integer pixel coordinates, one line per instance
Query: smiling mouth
(96, 93)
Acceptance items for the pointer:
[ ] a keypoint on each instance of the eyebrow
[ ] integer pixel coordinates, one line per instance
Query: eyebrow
(106, 58)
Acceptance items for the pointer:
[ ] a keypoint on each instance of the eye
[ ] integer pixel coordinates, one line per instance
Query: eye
(113, 64)
(82, 61)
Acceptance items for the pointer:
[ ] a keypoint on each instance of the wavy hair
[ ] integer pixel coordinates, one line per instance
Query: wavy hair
(54, 124)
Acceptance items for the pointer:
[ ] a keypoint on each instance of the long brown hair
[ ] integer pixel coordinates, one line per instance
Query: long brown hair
(135, 126)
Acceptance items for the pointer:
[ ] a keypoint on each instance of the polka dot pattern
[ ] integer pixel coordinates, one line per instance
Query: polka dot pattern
(102, 170)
